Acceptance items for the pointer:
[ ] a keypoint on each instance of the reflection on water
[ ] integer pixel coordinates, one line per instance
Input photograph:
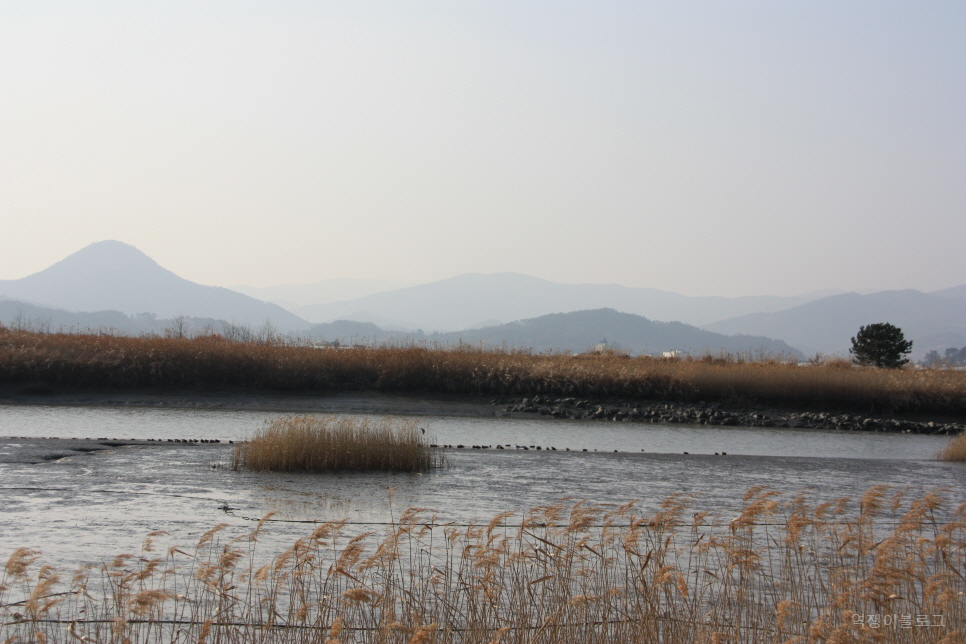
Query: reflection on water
(89, 505)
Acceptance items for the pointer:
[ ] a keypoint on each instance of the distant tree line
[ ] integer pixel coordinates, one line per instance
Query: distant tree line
(952, 357)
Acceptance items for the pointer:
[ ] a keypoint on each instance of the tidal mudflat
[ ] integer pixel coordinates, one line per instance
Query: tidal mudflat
(630, 540)
(80, 500)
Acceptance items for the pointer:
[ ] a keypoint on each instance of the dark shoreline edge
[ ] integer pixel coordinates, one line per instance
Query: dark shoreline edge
(720, 414)
(482, 406)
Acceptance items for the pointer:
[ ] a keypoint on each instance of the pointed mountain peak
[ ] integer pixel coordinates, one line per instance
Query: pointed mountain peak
(106, 255)
(114, 276)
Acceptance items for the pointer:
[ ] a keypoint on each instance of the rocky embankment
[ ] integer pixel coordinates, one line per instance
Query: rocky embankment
(702, 413)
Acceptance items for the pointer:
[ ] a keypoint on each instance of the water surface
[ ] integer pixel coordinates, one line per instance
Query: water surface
(85, 506)
(144, 423)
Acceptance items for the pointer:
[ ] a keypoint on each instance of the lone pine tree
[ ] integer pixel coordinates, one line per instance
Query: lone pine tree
(880, 345)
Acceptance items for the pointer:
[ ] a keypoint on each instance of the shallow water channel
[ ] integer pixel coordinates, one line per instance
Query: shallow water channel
(82, 501)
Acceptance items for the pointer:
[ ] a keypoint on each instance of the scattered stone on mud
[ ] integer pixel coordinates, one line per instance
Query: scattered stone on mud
(702, 413)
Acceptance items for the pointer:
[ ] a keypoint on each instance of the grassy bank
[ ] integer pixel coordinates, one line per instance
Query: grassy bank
(882, 569)
(124, 363)
(336, 444)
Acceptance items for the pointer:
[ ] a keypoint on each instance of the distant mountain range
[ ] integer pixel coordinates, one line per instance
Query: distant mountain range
(295, 296)
(954, 292)
(31, 317)
(581, 331)
(468, 300)
(814, 323)
(114, 285)
(111, 275)
(930, 320)
(575, 332)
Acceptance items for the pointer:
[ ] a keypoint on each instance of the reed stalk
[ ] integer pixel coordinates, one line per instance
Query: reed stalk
(337, 444)
(955, 450)
(880, 569)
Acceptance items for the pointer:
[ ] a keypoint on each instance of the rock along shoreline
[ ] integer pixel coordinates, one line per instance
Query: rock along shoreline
(480, 406)
(713, 414)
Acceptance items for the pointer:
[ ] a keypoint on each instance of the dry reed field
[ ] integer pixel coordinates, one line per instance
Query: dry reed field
(205, 363)
(955, 450)
(882, 569)
(337, 444)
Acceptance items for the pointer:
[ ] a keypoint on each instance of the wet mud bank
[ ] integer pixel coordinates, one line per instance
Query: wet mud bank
(715, 414)
(38, 450)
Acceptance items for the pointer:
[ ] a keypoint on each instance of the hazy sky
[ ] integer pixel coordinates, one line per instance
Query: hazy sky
(718, 147)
